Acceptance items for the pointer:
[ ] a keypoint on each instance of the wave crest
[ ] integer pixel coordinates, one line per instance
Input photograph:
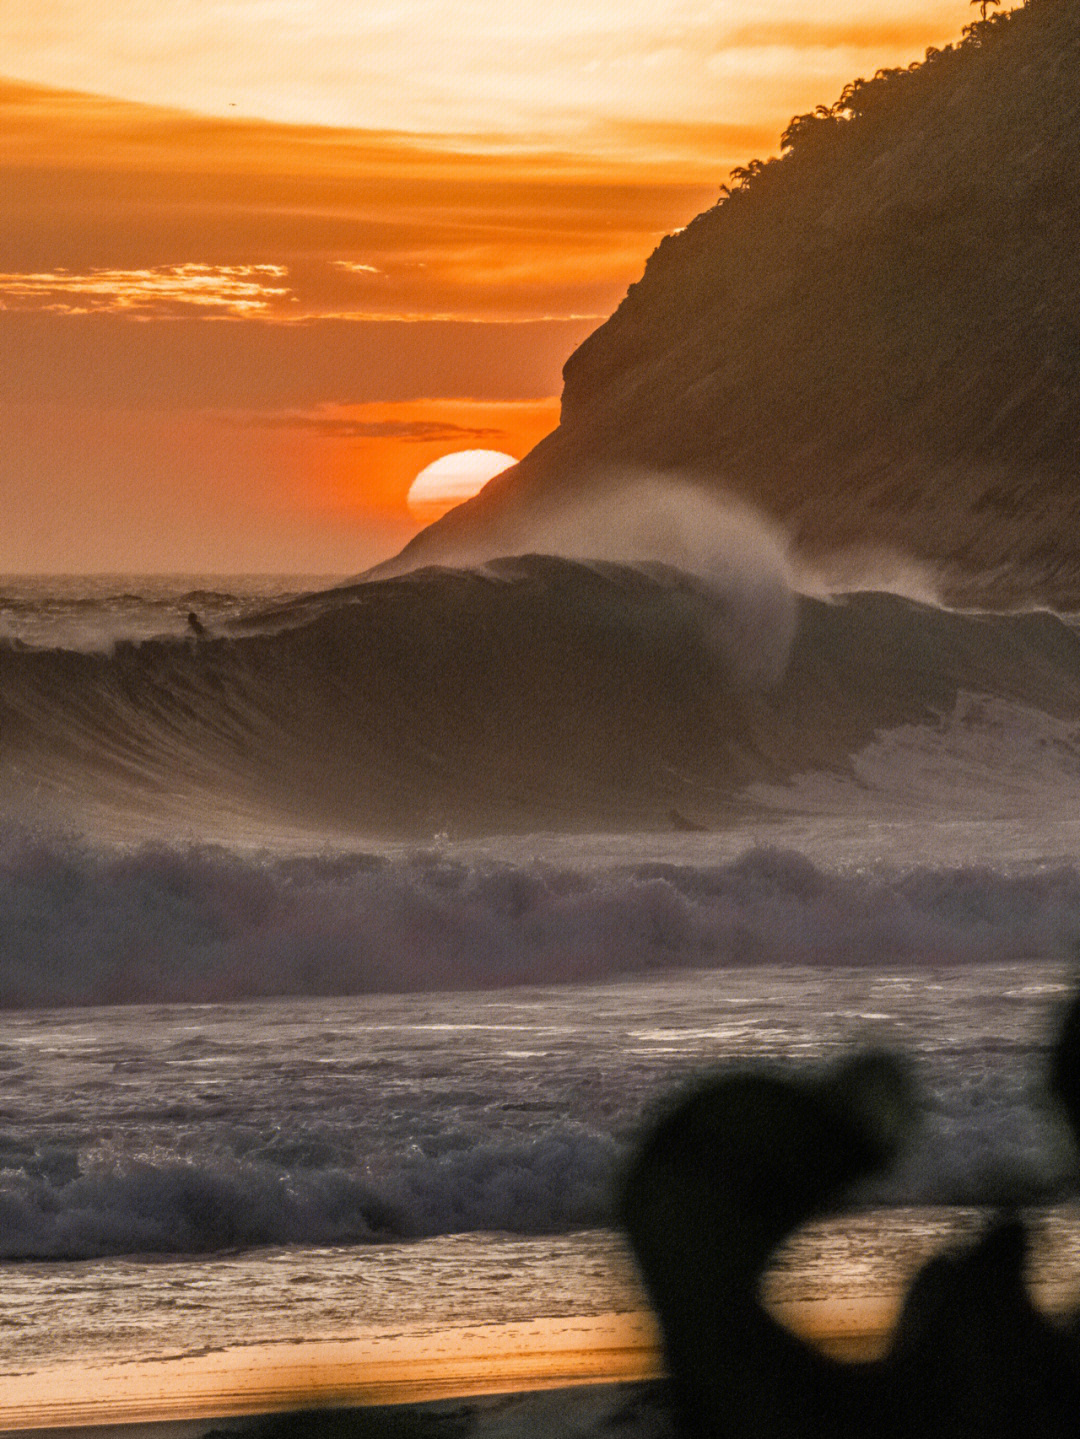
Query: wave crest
(533, 694)
(556, 1182)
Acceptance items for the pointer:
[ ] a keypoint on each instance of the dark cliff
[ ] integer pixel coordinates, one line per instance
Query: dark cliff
(874, 337)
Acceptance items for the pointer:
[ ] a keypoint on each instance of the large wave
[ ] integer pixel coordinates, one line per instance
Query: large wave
(536, 693)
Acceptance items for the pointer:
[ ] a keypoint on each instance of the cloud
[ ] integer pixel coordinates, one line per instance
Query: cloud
(366, 223)
(343, 427)
(469, 65)
(235, 290)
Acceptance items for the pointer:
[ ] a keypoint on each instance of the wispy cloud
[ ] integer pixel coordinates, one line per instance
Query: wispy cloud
(232, 290)
(147, 212)
(344, 427)
(432, 65)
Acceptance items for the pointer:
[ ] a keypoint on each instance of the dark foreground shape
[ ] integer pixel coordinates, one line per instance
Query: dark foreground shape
(382, 1422)
(1065, 1067)
(734, 1168)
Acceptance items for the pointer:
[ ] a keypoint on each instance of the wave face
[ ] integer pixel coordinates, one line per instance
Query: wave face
(540, 693)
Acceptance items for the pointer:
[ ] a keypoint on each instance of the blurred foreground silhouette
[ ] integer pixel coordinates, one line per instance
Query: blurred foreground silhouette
(738, 1164)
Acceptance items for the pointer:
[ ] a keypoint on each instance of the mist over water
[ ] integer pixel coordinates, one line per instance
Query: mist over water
(740, 558)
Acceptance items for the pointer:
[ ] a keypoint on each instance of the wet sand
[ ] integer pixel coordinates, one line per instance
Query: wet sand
(840, 1285)
(384, 1366)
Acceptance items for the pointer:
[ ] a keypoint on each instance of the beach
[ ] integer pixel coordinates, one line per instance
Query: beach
(839, 1285)
(570, 1372)
(389, 1367)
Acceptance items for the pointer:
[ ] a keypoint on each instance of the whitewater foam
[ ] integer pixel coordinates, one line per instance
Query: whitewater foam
(557, 1182)
(987, 758)
(191, 1129)
(88, 925)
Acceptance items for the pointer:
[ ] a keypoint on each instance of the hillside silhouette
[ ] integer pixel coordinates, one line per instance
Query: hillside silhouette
(875, 336)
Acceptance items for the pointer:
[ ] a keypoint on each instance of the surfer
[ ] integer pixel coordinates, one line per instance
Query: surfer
(196, 628)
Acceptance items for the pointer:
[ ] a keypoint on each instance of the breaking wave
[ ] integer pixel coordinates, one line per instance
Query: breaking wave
(555, 1183)
(59, 1206)
(539, 693)
(86, 926)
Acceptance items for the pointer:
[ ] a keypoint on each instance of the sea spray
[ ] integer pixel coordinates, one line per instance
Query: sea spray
(740, 558)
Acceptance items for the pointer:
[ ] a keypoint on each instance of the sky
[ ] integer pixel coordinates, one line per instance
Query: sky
(262, 261)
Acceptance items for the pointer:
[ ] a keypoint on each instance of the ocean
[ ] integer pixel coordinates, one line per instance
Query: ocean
(350, 935)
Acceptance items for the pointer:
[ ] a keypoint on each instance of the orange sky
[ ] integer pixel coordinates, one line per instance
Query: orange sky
(277, 322)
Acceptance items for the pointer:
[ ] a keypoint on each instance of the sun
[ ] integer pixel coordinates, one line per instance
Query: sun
(453, 478)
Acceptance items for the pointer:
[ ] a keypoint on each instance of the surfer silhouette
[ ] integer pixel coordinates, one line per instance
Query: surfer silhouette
(741, 1161)
(196, 628)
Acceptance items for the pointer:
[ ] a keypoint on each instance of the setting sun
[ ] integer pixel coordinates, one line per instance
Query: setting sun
(453, 478)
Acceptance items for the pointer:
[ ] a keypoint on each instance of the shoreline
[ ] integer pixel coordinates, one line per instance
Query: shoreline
(395, 1366)
(379, 1366)
(838, 1284)
(392, 1366)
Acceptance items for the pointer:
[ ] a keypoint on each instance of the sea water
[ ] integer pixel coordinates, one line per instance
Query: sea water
(372, 1076)
(294, 1145)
